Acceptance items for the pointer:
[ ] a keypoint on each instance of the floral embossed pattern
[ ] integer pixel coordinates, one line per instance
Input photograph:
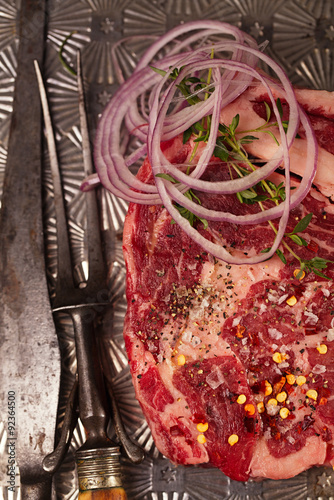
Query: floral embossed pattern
(300, 36)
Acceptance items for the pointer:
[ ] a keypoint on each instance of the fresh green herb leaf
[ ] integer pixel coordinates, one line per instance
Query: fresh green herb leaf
(221, 152)
(318, 273)
(281, 255)
(186, 135)
(199, 126)
(298, 240)
(159, 71)
(285, 125)
(223, 129)
(279, 107)
(315, 264)
(193, 195)
(235, 123)
(318, 263)
(201, 138)
(248, 194)
(187, 214)
(269, 132)
(167, 177)
(265, 250)
(299, 274)
(303, 223)
(194, 79)
(248, 139)
(240, 198)
(268, 111)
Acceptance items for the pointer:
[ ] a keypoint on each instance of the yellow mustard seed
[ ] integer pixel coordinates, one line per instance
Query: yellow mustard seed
(281, 397)
(268, 388)
(181, 360)
(284, 412)
(291, 379)
(241, 399)
(233, 439)
(322, 348)
(301, 380)
(278, 357)
(201, 438)
(249, 409)
(202, 427)
(260, 407)
(272, 402)
(312, 394)
(291, 301)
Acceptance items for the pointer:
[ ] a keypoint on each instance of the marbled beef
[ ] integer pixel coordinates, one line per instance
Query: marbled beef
(233, 365)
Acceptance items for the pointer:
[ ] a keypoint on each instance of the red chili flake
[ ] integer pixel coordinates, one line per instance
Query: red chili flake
(254, 338)
(198, 418)
(279, 385)
(310, 330)
(289, 388)
(323, 401)
(313, 246)
(240, 331)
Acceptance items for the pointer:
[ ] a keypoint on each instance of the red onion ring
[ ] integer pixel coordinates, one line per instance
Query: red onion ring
(159, 124)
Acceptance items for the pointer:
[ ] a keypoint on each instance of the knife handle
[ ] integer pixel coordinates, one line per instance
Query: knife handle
(109, 494)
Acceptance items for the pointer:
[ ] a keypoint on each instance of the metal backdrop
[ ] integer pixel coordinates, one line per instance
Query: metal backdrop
(301, 38)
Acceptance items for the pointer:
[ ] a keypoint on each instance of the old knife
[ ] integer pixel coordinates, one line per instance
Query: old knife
(29, 348)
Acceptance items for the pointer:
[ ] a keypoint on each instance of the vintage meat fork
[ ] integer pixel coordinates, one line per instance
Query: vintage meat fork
(98, 462)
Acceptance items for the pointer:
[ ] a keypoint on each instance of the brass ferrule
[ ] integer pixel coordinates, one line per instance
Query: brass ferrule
(99, 468)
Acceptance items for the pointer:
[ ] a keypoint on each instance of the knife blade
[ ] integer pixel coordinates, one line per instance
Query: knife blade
(29, 347)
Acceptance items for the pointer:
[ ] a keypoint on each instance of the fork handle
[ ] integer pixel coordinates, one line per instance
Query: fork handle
(92, 402)
(109, 494)
(99, 469)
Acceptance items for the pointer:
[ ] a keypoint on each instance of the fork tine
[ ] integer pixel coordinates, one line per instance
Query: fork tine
(97, 270)
(91, 288)
(63, 254)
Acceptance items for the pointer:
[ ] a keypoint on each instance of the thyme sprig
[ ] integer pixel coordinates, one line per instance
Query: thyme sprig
(232, 146)
(187, 214)
(230, 149)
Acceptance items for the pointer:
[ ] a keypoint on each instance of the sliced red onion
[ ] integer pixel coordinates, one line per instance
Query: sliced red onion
(168, 118)
(225, 187)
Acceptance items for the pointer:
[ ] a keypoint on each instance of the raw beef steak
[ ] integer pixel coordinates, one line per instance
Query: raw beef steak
(232, 365)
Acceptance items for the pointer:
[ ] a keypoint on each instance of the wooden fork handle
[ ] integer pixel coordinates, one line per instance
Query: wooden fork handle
(109, 494)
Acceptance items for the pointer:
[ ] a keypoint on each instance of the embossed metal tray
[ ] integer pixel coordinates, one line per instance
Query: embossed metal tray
(301, 38)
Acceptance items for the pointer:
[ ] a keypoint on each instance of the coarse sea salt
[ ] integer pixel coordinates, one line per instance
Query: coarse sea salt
(274, 333)
(330, 335)
(215, 377)
(283, 298)
(236, 321)
(186, 336)
(312, 319)
(318, 369)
